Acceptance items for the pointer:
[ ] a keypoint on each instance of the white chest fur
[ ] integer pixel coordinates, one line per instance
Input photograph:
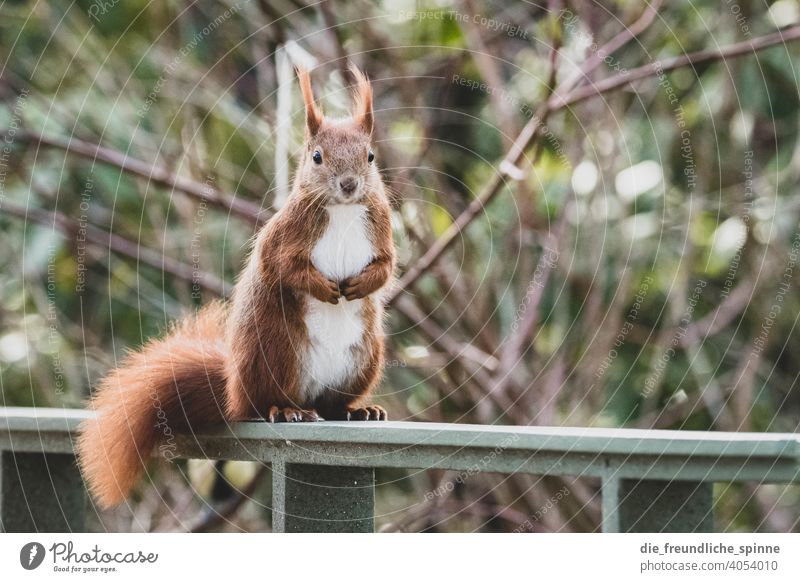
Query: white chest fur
(345, 248)
(343, 251)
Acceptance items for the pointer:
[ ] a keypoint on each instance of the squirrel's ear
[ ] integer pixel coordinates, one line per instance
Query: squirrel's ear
(362, 108)
(313, 112)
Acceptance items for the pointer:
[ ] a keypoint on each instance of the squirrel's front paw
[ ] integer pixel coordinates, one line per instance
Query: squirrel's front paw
(328, 291)
(356, 287)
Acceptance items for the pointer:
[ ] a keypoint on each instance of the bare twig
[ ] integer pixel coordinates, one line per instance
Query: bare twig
(116, 243)
(728, 310)
(440, 337)
(488, 67)
(470, 358)
(155, 174)
(514, 346)
(507, 169)
(216, 518)
(691, 60)
(328, 12)
(675, 412)
(624, 37)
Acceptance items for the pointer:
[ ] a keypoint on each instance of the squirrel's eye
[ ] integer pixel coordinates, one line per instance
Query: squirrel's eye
(317, 157)
(370, 156)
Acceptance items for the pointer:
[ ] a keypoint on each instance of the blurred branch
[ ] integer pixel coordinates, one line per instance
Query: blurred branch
(691, 60)
(673, 414)
(507, 169)
(626, 35)
(328, 12)
(440, 337)
(474, 361)
(728, 310)
(216, 518)
(155, 174)
(742, 389)
(489, 67)
(428, 515)
(116, 243)
(514, 347)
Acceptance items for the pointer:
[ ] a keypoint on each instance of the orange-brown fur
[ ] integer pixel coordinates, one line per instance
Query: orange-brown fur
(243, 360)
(171, 384)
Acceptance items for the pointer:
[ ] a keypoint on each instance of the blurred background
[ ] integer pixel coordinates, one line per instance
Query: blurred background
(590, 233)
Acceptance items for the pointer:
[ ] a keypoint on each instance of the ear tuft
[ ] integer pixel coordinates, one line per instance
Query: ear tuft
(362, 100)
(314, 115)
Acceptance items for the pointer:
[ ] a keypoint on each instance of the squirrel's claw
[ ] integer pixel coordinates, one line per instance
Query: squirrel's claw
(367, 413)
(290, 414)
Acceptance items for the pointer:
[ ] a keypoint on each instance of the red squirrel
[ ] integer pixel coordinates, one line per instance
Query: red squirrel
(301, 338)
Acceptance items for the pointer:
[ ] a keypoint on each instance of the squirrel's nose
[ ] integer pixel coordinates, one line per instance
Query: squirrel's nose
(348, 184)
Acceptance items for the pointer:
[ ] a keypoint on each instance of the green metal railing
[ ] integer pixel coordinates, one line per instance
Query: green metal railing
(324, 473)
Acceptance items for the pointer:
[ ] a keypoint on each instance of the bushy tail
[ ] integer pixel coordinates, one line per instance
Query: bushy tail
(170, 385)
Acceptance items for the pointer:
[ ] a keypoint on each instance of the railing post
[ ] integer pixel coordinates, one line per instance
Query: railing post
(609, 498)
(321, 498)
(649, 506)
(41, 493)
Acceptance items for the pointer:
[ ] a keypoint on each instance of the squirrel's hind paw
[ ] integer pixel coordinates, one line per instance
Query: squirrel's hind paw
(290, 414)
(364, 413)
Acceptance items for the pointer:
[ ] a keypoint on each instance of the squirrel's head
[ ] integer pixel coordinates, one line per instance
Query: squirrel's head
(338, 162)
